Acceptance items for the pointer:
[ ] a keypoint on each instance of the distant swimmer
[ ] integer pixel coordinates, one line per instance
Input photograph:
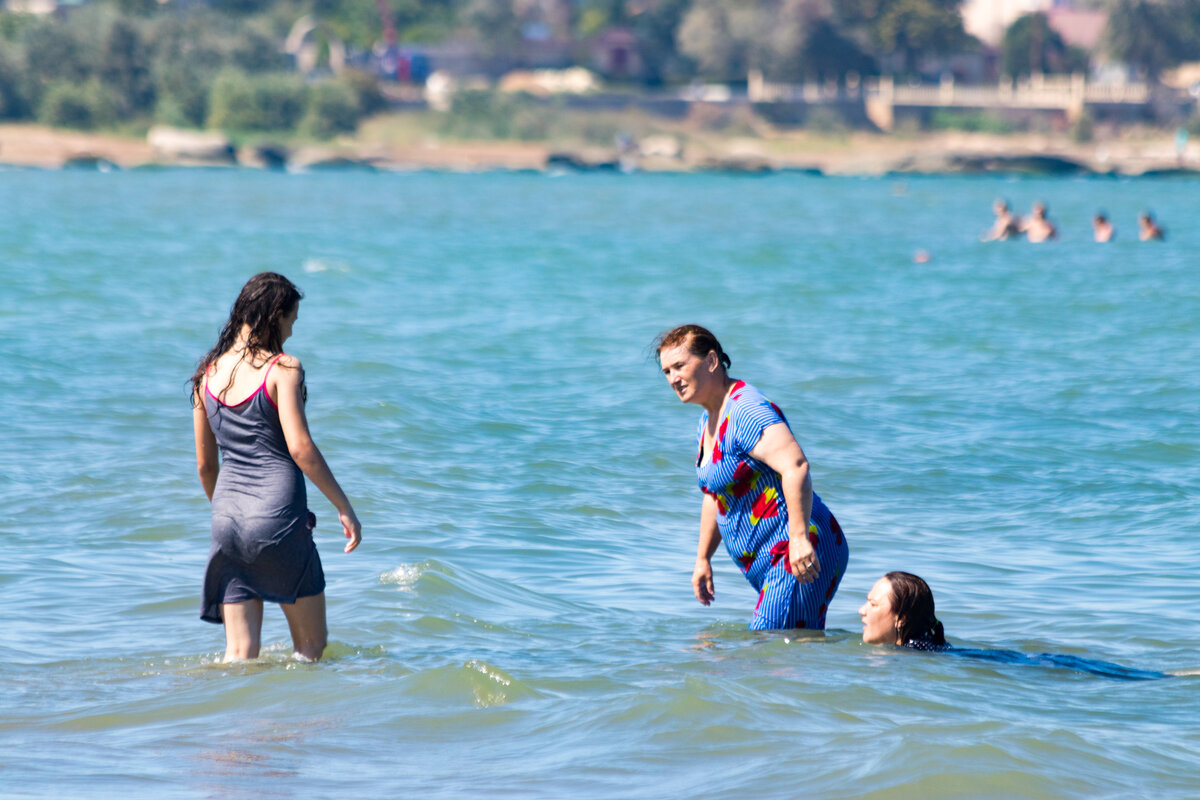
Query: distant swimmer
(900, 611)
(1102, 229)
(1148, 229)
(1006, 226)
(757, 493)
(1038, 227)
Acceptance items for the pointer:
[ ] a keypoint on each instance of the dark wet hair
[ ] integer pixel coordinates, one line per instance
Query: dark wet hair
(912, 603)
(698, 340)
(265, 299)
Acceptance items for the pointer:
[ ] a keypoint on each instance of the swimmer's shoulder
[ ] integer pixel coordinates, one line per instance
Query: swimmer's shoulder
(288, 370)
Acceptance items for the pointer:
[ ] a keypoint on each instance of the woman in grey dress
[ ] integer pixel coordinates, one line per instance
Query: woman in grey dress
(248, 398)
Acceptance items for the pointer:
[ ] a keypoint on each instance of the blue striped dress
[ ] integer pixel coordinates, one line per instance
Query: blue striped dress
(753, 518)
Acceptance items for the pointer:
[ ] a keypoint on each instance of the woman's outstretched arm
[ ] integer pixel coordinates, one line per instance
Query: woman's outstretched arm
(780, 451)
(208, 462)
(289, 390)
(710, 538)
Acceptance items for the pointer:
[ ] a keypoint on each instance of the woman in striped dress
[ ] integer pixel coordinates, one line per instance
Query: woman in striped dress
(758, 495)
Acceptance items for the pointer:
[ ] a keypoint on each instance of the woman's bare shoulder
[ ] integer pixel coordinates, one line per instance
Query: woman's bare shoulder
(291, 370)
(289, 361)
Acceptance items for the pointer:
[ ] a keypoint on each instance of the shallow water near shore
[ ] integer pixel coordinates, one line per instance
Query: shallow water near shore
(1016, 423)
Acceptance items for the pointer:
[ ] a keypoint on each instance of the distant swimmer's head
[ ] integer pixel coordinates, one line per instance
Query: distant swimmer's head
(692, 361)
(899, 610)
(1000, 206)
(1039, 210)
(1100, 219)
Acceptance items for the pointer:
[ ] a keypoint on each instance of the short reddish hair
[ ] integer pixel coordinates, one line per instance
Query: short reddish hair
(698, 340)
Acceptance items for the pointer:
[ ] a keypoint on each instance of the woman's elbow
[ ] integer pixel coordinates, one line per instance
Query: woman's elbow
(207, 469)
(302, 453)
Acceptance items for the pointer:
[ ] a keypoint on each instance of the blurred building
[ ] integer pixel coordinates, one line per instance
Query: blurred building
(39, 7)
(987, 20)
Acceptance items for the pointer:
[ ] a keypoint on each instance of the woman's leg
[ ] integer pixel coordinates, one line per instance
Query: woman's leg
(243, 629)
(306, 619)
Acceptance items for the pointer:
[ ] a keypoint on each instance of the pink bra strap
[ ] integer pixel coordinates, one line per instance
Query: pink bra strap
(268, 372)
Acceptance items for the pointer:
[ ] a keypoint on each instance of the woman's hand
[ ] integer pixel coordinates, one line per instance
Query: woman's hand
(352, 527)
(802, 559)
(702, 581)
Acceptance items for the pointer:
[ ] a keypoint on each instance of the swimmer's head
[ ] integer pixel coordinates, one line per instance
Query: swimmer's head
(265, 308)
(693, 361)
(899, 610)
(1100, 219)
(1039, 209)
(1000, 205)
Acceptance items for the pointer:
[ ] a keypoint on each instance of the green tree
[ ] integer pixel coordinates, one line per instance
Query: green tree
(333, 108)
(272, 102)
(726, 38)
(123, 64)
(495, 25)
(138, 8)
(1031, 45)
(705, 37)
(1151, 35)
(789, 40)
(906, 29)
(253, 51)
(655, 25)
(13, 103)
(828, 54)
(52, 52)
(78, 105)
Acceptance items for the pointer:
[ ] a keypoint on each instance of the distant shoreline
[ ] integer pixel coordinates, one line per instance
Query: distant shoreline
(853, 154)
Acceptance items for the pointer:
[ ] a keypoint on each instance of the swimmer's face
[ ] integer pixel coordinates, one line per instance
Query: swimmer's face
(287, 321)
(879, 622)
(688, 374)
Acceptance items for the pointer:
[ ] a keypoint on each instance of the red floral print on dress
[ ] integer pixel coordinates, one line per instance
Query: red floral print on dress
(765, 507)
(744, 479)
(779, 551)
(717, 453)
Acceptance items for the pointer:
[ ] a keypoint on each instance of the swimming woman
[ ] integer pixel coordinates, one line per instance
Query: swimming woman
(758, 495)
(900, 611)
(248, 399)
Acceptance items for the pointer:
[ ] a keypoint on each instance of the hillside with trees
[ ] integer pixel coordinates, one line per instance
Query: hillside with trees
(223, 64)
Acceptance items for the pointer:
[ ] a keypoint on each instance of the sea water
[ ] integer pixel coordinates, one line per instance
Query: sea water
(1017, 423)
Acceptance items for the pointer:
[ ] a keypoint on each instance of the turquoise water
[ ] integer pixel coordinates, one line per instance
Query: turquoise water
(1016, 423)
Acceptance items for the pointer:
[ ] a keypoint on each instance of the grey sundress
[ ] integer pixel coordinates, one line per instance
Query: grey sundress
(262, 546)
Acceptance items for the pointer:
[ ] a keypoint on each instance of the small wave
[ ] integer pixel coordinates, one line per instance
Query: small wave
(317, 265)
(492, 686)
(403, 577)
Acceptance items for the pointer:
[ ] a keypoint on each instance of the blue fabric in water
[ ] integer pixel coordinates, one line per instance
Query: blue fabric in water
(1104, 669)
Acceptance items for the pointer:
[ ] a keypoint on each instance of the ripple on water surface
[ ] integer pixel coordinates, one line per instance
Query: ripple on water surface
(1016, 424)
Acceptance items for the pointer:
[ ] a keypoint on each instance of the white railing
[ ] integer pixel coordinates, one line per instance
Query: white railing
(1036, 92)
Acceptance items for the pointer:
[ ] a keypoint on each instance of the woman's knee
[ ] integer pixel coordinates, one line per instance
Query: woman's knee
(241, 648)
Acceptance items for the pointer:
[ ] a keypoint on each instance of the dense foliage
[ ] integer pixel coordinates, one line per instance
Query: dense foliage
(221, 62)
